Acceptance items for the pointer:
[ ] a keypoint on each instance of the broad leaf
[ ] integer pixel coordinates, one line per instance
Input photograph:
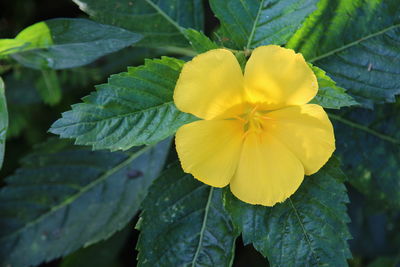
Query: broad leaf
(3, 122)
(308, 229)
(329, 94)
(251, 23)
(161, 22)
(183, 223)
(369, 144)
(65, 43)
(133, 108)
(65, 197)
(358, 44)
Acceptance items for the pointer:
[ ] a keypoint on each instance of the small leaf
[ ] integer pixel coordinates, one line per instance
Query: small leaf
(48, 87)
(65, 197)
(65, 43)
(161, 22)
(252, 23)
(329, 94)
(358, 44)
(308, 229)
(3, 122)
(200, 42)
(133, 108)
(183, 223)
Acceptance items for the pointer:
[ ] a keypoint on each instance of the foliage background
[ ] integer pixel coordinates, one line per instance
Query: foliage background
(375, 217)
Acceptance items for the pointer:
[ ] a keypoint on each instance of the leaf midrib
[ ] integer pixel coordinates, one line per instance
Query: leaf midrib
(203, 227)
(83, 190)
(334, 51)
(254, 25)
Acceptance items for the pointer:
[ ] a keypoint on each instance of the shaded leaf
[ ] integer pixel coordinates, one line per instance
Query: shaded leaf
(48, 87)
(329, 94)
(65, 197)
(66, 43)
(161, 22)
(133, 108)
(369, 144)
(183, 223)
(358, 44)
(308, 229)
(252, 23)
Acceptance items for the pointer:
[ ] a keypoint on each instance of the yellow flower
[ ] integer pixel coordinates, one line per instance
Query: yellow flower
(258, 134)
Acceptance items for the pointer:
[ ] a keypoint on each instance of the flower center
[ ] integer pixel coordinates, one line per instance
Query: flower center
(253, 119)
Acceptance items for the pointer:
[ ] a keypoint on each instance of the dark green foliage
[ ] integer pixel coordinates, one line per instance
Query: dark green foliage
(184, 224)
(160, 22)
(133, 108)
(252, 23)
(369, 144)
(49, 87)
(357, 43)
(308, 229)
(65, 197)
(73, 43)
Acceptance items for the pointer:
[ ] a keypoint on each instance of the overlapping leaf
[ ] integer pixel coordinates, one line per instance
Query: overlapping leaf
(369, 145)
(358, 44)
(161, 22)
(248, 24)
(184, 224)
(308, 229)
(133, 108)
(66, 43)
(65, 197)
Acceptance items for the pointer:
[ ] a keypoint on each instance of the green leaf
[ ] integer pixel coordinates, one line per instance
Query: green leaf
(49, 88)
(368, 143)
(65, 197)
(308, 229)
(3, 122)
(66, 43)
(161, 22)
(133, 108)
(252, 23)
(183, 223)
(200, 42)
(329, 94)
(358, 44)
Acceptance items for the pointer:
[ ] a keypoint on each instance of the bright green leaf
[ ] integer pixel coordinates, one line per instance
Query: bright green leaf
(65, 197)
(308, 229)
(368, 143)
(251, 23)
(3, 122)
(358, 44)
(133, 108)
(161, 22)
(199, 41)
(183, 223)
(66, 43)
(329, 94)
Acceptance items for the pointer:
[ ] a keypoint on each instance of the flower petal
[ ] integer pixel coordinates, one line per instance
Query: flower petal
(267, 172)
(209, 84)
(210, 150)
(278, 77)
(307, 131)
